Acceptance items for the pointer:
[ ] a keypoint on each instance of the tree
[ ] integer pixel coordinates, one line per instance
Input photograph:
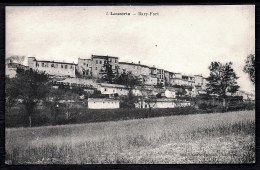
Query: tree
(222, 79)
(11, 93)
(249, 68)
(32, 87)
(181, 91)
(69, 96)
(130, 81)
(151, 101)
(128, 101)
(54, 96)
(16, 59)
(107, 74)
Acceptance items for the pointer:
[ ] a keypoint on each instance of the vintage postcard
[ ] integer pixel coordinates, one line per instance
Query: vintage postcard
(130, 84)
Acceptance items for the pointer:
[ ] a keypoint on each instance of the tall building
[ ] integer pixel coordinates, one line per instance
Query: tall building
(160, 76)
(84, 67)
(94, 65)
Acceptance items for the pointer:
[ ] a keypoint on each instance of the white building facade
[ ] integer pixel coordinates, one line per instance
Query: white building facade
(103, 103)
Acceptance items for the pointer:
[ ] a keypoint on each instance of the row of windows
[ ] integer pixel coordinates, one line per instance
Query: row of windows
(101, 62)
(108, 102)
(54, 65)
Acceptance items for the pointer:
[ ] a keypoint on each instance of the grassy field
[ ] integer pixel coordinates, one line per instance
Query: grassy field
(201, 138)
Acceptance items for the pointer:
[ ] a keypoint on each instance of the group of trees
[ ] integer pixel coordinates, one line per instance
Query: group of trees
(29, 86)
(223, 79)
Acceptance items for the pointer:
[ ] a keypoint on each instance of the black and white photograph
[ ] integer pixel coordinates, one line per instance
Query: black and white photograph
(129, 84)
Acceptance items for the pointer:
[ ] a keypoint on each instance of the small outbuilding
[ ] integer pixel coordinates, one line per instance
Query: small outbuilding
(103, 103)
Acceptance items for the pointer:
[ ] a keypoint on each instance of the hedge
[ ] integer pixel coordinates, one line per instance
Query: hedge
(43, 116)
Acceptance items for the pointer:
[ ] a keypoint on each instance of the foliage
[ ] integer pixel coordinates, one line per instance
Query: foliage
(108, 74)
(151, 101)
(128, 101)
(181, 91)
(222, 79)
(249, 68)
(11, 93)
(129, 80)
(32, 87)
(15, 59)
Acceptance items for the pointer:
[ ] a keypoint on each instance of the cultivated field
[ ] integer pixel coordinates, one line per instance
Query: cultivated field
(201, 138)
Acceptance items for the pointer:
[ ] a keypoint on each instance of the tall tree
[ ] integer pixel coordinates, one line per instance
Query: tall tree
(32, 87)
(130, 81)
(249, 68)
(107, 73)
(222, 79)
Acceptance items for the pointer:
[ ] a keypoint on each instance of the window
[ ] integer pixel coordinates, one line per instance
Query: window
(96, 61)
(52, 65)
(42, 64)
(100, 62)
(47, 64)
(71, 67)
(95, 68)
(87, 65)
(84, 63)
(37, 64)
(105, 89)
(115, 60)
(66, 66)
(110, 60)
(61, 66)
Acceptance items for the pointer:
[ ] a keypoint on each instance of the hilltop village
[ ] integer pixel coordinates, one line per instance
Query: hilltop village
(162, 86)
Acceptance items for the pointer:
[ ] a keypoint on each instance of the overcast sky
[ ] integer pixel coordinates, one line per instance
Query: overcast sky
(183, 39)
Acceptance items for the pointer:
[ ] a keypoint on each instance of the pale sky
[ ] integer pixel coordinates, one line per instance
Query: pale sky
(183, 39)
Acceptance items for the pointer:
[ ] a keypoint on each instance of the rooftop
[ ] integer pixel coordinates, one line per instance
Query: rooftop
(55, 62)
(133, 64)
(102, 100)
(112, 85)
(103, 57)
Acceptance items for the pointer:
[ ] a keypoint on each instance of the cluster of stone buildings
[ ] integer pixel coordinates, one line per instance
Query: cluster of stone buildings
(156, 81)
(92, 67)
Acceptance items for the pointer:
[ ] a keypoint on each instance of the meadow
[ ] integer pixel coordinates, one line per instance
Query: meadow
(181, 139)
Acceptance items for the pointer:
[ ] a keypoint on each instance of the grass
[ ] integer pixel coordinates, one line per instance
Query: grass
(201, 138)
